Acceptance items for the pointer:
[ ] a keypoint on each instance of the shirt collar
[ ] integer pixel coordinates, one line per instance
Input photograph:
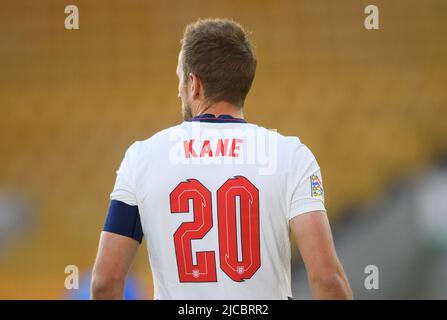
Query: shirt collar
(223, 118)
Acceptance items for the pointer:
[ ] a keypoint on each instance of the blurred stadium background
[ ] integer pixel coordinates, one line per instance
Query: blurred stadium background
(372, 105)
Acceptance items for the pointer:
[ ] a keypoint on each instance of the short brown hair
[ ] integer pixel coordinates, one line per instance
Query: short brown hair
(219, 52)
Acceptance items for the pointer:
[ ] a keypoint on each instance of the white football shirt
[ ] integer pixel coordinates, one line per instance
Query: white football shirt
(215, 196)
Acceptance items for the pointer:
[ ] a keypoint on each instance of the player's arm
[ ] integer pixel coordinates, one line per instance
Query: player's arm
(117, 247)
(114, 258)
(326, 276)
(121, 235)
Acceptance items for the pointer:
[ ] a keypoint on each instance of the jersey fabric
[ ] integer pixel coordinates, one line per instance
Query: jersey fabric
(215, 197)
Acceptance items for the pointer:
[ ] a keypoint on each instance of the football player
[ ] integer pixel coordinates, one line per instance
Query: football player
(215, 196)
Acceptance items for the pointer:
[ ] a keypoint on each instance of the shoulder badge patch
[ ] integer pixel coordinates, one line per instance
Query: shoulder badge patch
(316, 186)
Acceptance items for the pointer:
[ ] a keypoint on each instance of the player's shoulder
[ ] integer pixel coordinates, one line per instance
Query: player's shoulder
(284, 141)
(290, 148)
(285, 144)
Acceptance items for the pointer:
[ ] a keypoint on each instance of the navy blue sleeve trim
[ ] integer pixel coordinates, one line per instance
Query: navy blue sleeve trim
(124, 220)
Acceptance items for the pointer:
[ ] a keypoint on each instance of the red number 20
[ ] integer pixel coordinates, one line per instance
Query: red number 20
(205, 268)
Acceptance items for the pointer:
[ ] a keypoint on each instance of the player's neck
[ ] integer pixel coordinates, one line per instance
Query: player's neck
(221, 108)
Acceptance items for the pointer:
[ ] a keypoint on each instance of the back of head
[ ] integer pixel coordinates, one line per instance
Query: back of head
(220, 53)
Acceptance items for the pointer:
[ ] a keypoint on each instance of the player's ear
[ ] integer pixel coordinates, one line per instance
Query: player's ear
(195, 85)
